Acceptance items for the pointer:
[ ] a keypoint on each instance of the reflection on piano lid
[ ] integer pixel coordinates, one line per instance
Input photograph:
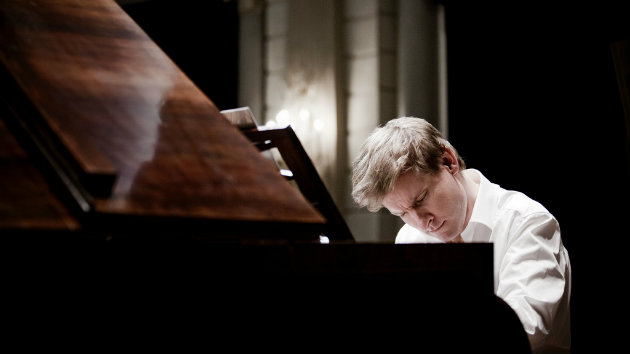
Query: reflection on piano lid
(127, 141)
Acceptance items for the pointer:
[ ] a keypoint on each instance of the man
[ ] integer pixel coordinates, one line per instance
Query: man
(407, 167)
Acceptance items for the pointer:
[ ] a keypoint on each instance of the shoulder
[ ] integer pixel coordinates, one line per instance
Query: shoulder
(525, 216)
(514, 211)
(496, 197)
(520, 203)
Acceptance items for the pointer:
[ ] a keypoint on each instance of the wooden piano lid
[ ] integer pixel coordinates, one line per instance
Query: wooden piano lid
(128, 135)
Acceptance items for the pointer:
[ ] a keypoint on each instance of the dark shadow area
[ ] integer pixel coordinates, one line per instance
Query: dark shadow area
(201, 37)
(535, 105)
(283, 297)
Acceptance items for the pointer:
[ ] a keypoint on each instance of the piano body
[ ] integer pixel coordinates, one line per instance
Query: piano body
(125, 193)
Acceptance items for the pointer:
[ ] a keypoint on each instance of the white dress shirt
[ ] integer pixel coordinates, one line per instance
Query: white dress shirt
(532, 271)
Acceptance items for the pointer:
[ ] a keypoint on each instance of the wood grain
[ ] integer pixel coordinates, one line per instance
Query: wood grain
(118, 103)
(26, 200)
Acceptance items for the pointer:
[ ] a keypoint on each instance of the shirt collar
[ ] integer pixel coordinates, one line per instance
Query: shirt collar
(483, 210)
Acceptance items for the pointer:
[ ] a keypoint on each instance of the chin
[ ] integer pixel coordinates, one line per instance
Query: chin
(449, 238)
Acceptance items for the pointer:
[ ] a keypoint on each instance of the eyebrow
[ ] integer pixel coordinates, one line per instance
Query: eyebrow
(411, 205)
(415, 199)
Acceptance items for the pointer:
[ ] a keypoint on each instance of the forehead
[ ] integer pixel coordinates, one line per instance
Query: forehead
(406, 190)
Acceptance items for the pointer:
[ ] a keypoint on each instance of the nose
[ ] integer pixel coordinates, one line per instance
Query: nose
(423, 220)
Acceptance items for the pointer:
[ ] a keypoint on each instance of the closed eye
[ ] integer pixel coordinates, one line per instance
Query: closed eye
(419, 201)
(400, 215)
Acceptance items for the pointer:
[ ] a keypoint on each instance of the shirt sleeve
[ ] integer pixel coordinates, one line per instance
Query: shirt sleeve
(532, 273)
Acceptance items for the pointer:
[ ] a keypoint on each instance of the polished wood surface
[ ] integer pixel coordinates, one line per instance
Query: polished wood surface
(241, 117)
(26, 200)
(133, 134)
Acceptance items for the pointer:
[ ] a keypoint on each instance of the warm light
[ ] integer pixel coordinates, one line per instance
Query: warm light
(283, 118)
(304, 115)
(318, 124)
(270, 124)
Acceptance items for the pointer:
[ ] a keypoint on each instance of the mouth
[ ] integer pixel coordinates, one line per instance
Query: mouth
(435, 229)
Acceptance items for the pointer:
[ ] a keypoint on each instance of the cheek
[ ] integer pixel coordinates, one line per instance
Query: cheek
(451, 202)
(458, 208)
(411, 222)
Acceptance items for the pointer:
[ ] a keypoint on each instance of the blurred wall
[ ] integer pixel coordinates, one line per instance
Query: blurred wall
(367, 81)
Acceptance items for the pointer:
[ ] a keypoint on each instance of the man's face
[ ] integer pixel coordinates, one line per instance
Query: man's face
(435, 204)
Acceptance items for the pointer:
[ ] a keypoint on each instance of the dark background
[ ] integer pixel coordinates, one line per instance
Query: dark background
(201, 36)
(533, 103)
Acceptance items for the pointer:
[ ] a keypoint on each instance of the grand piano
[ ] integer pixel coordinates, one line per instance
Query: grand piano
(128, 201)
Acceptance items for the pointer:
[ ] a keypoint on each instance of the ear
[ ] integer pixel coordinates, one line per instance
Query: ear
(450, 161)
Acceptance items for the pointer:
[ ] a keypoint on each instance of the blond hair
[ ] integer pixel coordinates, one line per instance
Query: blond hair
(402, 145)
